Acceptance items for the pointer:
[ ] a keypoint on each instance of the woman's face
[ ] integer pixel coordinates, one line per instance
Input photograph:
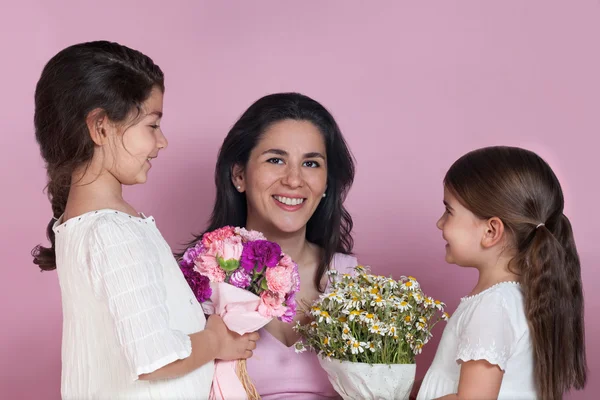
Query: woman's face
(285, 177)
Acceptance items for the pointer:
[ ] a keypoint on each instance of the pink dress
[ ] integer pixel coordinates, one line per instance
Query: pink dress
(278, 372)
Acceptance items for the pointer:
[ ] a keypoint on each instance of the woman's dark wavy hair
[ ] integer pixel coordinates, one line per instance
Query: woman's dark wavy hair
(330, 227)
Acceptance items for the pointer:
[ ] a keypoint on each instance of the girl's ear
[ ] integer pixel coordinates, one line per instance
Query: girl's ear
(99, 126)
(494, 232)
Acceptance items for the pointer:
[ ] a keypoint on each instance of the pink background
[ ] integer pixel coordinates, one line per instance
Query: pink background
(413, 87)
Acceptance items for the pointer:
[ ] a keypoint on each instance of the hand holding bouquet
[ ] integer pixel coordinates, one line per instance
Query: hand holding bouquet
(248, 281)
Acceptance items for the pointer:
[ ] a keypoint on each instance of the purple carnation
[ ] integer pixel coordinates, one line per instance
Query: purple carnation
(290, 312)
(191, 254)
(240, 278)
(260, 253)
(199, 284)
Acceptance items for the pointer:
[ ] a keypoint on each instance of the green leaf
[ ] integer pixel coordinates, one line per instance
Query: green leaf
(263, 284)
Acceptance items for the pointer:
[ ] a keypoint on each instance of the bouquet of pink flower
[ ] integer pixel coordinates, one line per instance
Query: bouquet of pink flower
(248, 281)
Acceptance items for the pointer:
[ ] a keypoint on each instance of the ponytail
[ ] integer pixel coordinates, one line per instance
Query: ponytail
(58, 192)
(551, 281)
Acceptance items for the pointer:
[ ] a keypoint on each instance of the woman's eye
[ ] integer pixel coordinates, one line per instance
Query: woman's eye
(275, 161)
(311, 164)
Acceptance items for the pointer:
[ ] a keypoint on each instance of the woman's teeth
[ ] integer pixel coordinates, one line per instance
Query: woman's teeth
(289, 201)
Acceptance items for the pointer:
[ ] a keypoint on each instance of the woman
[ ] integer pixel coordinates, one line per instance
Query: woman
(284, 169)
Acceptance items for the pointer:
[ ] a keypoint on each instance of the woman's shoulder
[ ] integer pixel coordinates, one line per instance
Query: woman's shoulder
(344, 263)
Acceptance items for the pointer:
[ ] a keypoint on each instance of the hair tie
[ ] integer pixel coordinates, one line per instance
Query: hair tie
(540, 224)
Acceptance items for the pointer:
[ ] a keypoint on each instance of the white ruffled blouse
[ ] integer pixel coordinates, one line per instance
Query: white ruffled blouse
(488, 326)
(127, 310)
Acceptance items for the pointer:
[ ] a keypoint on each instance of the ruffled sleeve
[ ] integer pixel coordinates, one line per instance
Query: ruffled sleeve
(126, 274)
(486, 332)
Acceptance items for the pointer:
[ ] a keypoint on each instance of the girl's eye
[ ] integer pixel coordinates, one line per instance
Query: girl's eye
(154, 126)
(312, 164)
(275, 161)
(448, 211)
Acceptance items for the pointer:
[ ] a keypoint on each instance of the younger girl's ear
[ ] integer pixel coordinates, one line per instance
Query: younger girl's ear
(237, 178)
(98, 125)
(494, 232)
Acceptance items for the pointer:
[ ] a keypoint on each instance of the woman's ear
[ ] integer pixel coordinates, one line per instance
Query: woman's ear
(237, 178)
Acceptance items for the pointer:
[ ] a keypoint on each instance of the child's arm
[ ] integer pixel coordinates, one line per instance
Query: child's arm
(486, 341)
(216, 341)
(127, 275)
(478, 380)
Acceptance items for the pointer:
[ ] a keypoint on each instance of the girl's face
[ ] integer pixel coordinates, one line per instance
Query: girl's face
(463, 232)
(130, 152)
(285, 177)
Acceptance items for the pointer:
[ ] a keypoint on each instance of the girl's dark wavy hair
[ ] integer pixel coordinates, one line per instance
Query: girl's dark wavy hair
(79, 79)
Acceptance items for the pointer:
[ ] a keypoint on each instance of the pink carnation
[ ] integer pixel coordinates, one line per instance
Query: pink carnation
(232, 248)
(286, 261)
(249, 236)
(228, 249)
(217, 235)
(280, 279)
(208, 266)
(271, 305)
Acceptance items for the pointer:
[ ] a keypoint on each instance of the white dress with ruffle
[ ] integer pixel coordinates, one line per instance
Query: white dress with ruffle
(488, 326)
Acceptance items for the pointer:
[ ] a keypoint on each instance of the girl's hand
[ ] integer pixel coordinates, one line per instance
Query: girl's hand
(230, 345)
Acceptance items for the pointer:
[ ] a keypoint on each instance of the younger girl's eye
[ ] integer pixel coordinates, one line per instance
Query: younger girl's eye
(275, 160)
(311, 164)
(154, 126)
(448, 211)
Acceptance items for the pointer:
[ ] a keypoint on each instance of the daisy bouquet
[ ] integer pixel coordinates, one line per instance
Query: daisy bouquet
(368, 330)
(248, 281)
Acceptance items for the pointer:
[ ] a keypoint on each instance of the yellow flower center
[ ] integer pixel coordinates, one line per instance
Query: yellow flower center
(369, 316)
(408, 284)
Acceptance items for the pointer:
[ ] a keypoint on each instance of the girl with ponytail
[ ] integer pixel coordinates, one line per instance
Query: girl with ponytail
(132, 327)
(520, 332)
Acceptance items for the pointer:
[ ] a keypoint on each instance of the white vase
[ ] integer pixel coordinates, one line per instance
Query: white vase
(360, 381)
